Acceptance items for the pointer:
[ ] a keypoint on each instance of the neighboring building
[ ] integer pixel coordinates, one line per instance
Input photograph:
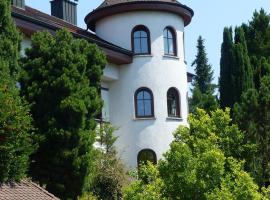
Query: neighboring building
(24, 190)
(145, 83)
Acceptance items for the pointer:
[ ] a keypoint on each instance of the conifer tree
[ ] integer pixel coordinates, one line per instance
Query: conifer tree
(204, 73)
(253, 116)
(15, 120)
(203, 91)
(61, 80)
(242, 74)
(257, 33)
(226, 65)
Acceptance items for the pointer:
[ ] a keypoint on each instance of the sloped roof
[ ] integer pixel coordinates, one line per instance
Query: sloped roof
(24, 190)
(30, 20)
(113, 2)
(112, 7)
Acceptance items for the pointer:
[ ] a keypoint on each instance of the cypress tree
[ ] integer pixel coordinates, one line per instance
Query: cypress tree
(203, 91)
(61, 81)
(242, 71)
(15, 120)
(226, 65)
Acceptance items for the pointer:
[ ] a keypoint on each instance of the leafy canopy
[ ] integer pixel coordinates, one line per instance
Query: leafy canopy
(61, 80)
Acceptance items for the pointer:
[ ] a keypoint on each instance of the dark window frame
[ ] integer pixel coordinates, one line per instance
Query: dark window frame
(174, 41)
(146, 150)
(178, 103)
(136, 102)
(146, 30)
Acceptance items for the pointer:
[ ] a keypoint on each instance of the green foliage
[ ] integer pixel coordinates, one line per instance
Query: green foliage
(253, 116)
(203, 91)
(236, 73)
(204, 73)
(201, 164)
(150, 187)
(242, 74)
(207, 101)
(9, 38)
(15, 129)
(257, 34)
(61, 80)
(15, 120)
(110, 174)
(226, 66)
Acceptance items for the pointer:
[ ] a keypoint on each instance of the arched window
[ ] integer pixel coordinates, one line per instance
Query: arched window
(146, 155)
(173, 103)
(169, 36)
(144, 103)
(141, 40)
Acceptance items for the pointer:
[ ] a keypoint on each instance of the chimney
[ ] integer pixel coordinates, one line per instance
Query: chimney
(65, 9)
(18, 3)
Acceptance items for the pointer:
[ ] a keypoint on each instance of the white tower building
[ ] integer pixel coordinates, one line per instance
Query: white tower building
(147, 99)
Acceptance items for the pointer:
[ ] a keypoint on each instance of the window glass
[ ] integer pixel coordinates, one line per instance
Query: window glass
(140, 40)
(169, 42)
(144, 103)
(173, 103)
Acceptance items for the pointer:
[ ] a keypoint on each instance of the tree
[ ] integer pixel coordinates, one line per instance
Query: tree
(61, 81)
(203, 91)
(242, 71)
(257, 34)
(9, 38)
(15, 120)
(253, 116)
(202, 163)
(226, 65)
(236, 74)
(110, 173)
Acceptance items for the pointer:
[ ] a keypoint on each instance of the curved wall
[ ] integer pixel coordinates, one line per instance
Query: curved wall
(156, 72)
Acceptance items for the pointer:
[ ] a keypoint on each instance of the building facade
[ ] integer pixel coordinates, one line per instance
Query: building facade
(145, 83)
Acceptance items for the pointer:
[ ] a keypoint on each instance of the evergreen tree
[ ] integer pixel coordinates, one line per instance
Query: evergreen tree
(257, 34)
(15, 120)
(242, 74)
(203, 91)
(236, 74)
(226, 65)
(9, 37)
(253, 116)
(61, 81)
(204, 73)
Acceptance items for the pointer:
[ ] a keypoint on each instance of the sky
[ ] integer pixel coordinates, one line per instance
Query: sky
(210, 18)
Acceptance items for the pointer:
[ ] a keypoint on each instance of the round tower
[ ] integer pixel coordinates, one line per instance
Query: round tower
(149, 99)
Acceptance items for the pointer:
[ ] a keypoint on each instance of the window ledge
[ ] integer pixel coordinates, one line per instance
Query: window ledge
(144, 118)
(175, 118)
(142, 55)
(171, 56)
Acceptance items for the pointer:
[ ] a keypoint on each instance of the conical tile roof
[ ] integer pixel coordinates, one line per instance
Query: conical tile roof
(111, 7)
(114, 2)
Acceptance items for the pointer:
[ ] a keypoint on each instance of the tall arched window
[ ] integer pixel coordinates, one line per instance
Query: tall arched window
(173, 103)
(144, 103)
(141, 40)
(169, 36)
(146, 155)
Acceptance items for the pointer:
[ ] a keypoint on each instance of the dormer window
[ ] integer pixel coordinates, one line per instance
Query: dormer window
(141, 40)
(169, 37)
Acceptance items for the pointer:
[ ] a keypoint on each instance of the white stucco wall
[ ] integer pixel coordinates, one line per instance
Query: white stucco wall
(156, 72)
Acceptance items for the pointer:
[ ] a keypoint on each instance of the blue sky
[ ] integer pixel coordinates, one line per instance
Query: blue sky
(211, 16)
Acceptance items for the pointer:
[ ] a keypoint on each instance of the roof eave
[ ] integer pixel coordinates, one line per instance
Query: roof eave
(185, 12)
